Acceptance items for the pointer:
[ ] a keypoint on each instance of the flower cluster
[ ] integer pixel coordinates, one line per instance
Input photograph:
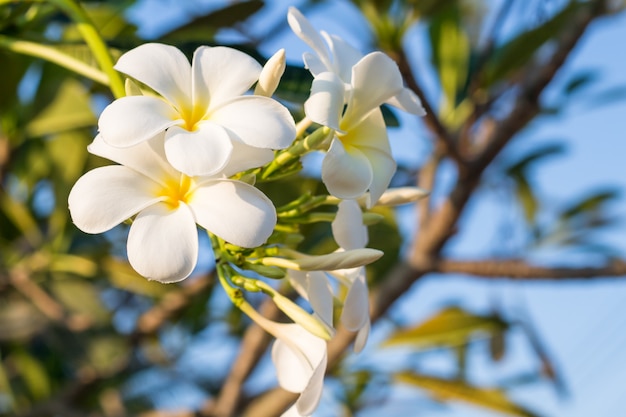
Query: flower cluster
(190, 141)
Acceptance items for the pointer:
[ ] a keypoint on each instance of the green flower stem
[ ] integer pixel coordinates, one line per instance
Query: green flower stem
(55, 56)
(310, 218)
(316, 140)
(95, 42)
(308, 205)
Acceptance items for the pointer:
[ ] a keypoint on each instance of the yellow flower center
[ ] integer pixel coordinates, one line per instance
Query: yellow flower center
(193, 116)
(176, 192)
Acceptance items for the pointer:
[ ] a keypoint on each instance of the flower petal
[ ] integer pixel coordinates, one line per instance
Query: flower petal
(244, 157)
(313, 64)
(375, 79)
(408, 101)
(221, 73)
(345, 56)
(347, 173)
(320, 296)
(237, 212)
(163, 68)
(204, 151)
(383, 168)
(361, 337)
(257, 121)
(348, 228)
(131, 120)
(147, 158)
(310, 397)
(163, 243)
(296, 355)
(305, 31)
(325, 104)
(355, 311)
(106, 196)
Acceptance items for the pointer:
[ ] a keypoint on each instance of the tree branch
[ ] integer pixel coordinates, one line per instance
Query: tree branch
(522, 270)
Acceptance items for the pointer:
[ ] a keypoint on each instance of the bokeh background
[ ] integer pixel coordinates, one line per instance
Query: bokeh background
(514, 307)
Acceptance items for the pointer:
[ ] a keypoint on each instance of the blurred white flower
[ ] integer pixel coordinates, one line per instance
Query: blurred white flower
(200, 107)
(347, 92)
(163, 241)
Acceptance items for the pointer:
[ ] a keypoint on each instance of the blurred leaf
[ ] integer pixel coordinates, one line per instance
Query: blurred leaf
(73, 264)
(526, 161)
(21, 216)
(579, 81)
(451, 326)
(205, 27)
(79, 296)
(19, 320)
(430, 8)
(390, 117)
(526, 197)
(519, 51)
(386, 237)
(295, 84)
(108, 354)
(450, 54)
(33, 373)
(123, 276)
(589, 204)
(455, 390)
(70, 109)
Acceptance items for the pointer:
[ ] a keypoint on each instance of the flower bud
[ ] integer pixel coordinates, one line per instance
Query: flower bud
(270, 75)
(401, 195)
(336, 260)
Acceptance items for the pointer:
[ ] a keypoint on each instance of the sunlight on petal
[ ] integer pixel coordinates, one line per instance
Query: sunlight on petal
(346, 174)
(236, 212)
(163, 243)
(202, 152)
(131, 120)
(221, 73)
(163, 68)
(105, 197)
(305, 31)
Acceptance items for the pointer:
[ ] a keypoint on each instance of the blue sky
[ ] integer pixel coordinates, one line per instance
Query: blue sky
(583, 325)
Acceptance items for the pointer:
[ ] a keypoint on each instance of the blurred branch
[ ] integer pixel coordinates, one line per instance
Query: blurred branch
(430, 119)
(253, 345)
(521, 270)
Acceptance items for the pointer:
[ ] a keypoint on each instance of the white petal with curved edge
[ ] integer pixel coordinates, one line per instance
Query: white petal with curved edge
(408, 101)
(237, 212)
(370, 133)
(244, 157)
(299, 282)
(383, 168)
(345, 56)
(291, 412)
(361, 337)
(348, 228)
(131, 120)
(325, 104)
(346, 174)
(305, 31)
(163, 68)
(356, 305)
(320, 296)
(257, 121)
(205, 151)
(147, 158)
(310, 397)
(313, 64)
(375, 79)
(106, 196)
(163, 243)
(221, 73)
(296, 354)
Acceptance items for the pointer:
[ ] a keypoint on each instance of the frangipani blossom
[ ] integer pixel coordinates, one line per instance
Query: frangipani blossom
(163, 242)
(200, 107)
(335, 55)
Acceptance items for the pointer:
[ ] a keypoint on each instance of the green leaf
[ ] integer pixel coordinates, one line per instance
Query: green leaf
(295, 84)
(69, 110)
(589, 204)
(19, 320)
(79, 296)
(33, 373)
(519, 51)
(451, 327)
(455, 390)
(450, 54)
(529, 159)
(123, 276)
(108, 354)
(578, 81)
(205, 27)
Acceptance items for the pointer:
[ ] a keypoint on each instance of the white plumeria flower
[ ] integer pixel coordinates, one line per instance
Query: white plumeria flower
(200, 107)
(300, 359)
(333, 54)
(347, 92)
(350, 233)
(163, 242)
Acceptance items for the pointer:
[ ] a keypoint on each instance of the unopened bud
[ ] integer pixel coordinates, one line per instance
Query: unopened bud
(336, 260)
(401, 195)
(270, 74)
